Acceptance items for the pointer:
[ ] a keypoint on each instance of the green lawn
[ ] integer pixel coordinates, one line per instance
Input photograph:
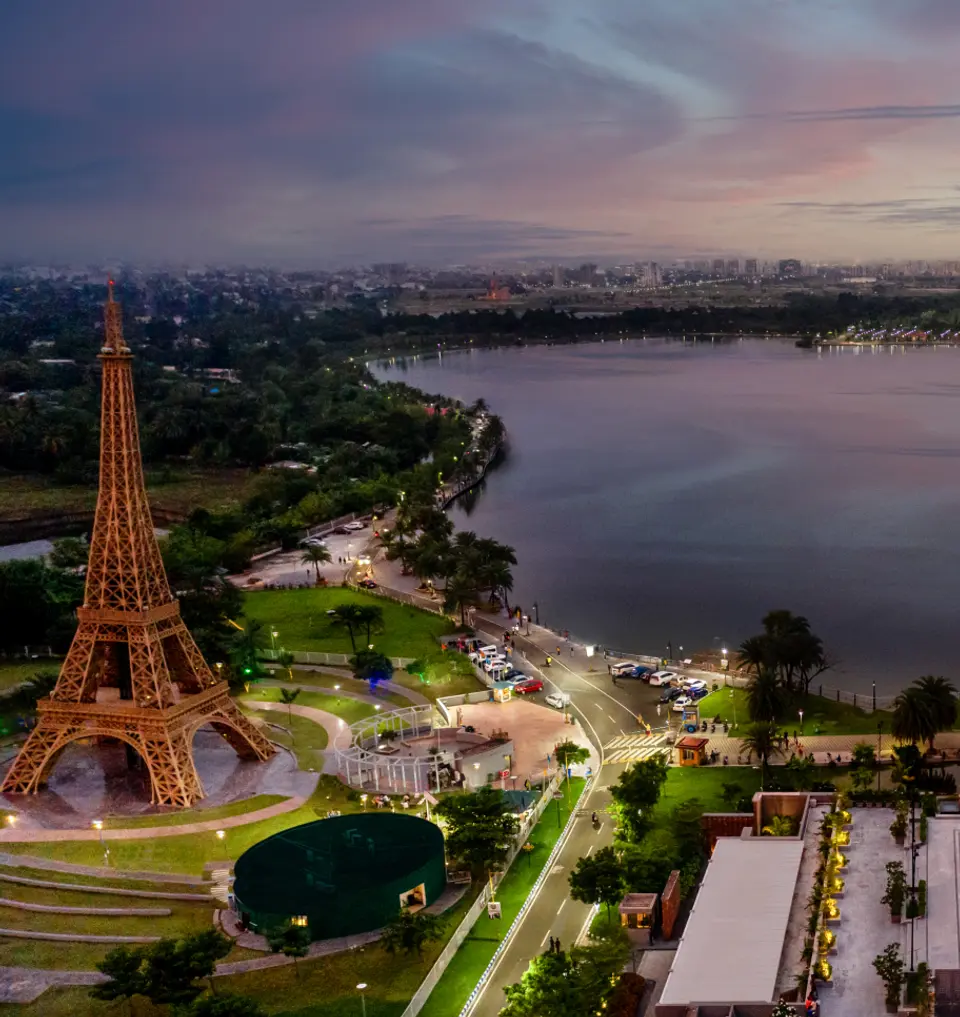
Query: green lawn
(300, 618)
(820, 715)
(188, 853)
(80, 879)
(193, 815)
(705, 783)
(478, 948)
(349, 710)
(14, 674)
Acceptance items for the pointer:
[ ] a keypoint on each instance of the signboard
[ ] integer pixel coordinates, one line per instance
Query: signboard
(493, 909)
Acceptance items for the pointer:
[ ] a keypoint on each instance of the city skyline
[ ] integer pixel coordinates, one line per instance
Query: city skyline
(445, 132)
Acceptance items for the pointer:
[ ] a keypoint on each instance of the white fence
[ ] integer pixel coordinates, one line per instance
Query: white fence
(328, 659)
(399, 596)
(479, 905)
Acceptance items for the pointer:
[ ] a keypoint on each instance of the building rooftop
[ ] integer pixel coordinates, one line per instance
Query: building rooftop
(730, 950)
(635, 903)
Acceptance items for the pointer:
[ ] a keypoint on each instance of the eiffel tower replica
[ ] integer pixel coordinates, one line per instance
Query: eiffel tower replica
(133, 672)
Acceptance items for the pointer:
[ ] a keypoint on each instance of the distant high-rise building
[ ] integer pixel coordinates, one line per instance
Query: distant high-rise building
(718, 266)
(733, 267)
(587, 272)
(558, 277)
(750, 268)
(790, 268)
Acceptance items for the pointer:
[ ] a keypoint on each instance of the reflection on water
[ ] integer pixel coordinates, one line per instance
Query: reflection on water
(676, 491)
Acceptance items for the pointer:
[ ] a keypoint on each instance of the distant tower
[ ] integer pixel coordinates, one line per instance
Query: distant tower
(558, 277)
(133, 672)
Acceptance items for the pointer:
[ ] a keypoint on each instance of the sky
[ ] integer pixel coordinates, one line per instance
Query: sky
(330, 132)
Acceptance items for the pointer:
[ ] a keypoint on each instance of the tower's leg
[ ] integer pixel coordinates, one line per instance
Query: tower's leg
(77, 682)
(243, 735)
(169, 759)
(27, 772)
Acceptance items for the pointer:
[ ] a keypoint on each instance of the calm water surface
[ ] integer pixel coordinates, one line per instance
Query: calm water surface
(676, 491)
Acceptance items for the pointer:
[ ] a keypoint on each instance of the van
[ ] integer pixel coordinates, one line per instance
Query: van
(623, 669)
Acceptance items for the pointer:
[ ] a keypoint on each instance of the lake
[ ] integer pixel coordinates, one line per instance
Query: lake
(675, 491)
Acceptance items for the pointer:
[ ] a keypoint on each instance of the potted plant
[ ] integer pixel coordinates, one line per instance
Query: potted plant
(913, 908)
(896, 890)
(889, 966)
(899, 825)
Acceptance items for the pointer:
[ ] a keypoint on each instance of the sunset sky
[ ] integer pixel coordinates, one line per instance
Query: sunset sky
(322, 132)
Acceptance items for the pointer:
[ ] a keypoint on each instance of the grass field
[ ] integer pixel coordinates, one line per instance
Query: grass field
(192, 815)
(349, 710)
(188, 853)
(300, 618)
(14, 674)
(478, 948)
(81, 879)
(174, 491)
(820, 715)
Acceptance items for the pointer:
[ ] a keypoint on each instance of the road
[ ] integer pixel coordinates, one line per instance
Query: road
(609, 713)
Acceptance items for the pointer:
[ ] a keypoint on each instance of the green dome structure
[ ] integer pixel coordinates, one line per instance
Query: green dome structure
(340, 876)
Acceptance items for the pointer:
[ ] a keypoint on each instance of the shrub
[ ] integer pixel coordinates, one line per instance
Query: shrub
(626, 996)
(923, 827)
(889, 966)
(929, 804)
(896, 888)
(913, 908)
(922, 897)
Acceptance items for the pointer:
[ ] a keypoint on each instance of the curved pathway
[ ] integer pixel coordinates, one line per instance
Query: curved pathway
(13, 835)
(418, 698)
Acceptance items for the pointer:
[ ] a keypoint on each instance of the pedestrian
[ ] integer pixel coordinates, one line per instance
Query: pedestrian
(796, 740)
(558, 651)
(571, 649)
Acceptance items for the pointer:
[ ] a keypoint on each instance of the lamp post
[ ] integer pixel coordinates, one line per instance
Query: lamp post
(879, 750)
(363, 1003)
(98, 826)
(273, 640)
(726, 664)
(733, 701)
(219, 667)
(221, 835)
(801, 721)
(536, 611)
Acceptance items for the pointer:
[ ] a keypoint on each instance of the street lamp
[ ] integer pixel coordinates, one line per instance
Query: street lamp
(363, 1003)
(879, 751)
(273, 639)
(801, 720)
(219, 667)
(97, 824)
(733, 700)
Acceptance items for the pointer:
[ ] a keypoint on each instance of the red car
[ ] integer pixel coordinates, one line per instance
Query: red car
(530, 685)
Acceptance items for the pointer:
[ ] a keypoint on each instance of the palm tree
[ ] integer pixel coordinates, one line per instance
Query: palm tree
(461, 592)
(288, 696)
(764, 696)
(761, 740)
(755, 653)
(315, 555)
(914, 718)
(371, 616)
(942, 695)
(779, 826)
(345, 616)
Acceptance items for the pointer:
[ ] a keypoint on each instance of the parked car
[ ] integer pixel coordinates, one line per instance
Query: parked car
(513, 675)
(623, 669)
(529, 685)
(489, 663)
(643, 672)
(367, 584)
(662, 677)
(484, 651)
(314, 542)
(669, 694)
(558, 700)
(355, 525)
(680, 703)
(699, 692)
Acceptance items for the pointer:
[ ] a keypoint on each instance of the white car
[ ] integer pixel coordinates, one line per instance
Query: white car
(626, 667)
(557, 699)
(485, 651)
(680, 703)
(692, 683)
(662, 677)
(490, 663)
(355, 525)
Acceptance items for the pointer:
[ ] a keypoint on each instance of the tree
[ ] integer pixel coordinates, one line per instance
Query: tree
(598, 879)
(371, 666)
(69, 552)
(568, 754)
(292, 941)
(479, 827)
(755, 654)
(122, 966)
(914, 716)
(942, 697)
(315, 555)
(349, 617)
(803, 771)
(371, 617)
(286, 660)
(288, 696)
(410, 931)
(761, 740)
(247, 642)
(779, 826)
(224, 1004)
(647, 865)
(460, 593)
(764, 696)
(635, 794)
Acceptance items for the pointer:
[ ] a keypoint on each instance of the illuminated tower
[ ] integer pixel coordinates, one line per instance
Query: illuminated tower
(133, 672)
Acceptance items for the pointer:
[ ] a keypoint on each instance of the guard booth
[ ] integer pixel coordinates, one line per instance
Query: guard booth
(502, 692)
(690, 751)
(638, 914)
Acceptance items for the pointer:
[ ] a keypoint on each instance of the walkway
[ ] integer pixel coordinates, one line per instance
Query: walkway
(865, 928)
(13, 835)
(98, 871)
(331, 724)
(418, 698)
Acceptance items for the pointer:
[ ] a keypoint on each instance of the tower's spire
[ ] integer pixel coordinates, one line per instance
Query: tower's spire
(113, 341)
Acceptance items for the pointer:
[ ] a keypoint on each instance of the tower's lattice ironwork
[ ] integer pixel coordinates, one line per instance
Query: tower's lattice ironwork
(133, 672)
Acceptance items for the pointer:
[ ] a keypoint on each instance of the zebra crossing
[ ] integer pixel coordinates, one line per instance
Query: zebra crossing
(632, 748)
